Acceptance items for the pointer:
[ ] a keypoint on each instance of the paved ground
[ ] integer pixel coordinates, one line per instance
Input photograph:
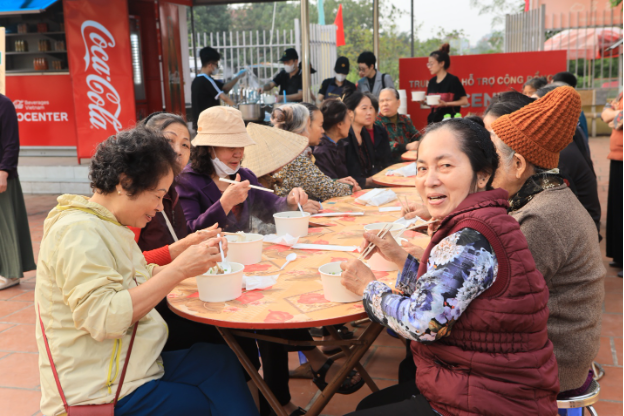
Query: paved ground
(19, 375)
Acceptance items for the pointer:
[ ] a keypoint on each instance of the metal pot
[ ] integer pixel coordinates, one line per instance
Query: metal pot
(251, 112)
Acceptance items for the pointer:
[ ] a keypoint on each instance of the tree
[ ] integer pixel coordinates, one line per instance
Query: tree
(498, 8)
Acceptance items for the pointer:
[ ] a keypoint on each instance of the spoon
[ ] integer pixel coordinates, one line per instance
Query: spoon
(301, 209)
(289, 258)
(224, 264)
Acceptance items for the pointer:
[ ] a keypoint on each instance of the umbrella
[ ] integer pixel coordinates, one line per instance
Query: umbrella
(586, 43)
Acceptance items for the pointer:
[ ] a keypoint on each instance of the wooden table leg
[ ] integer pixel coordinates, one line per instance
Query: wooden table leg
(360, 369)
(251, 370)
(368, 337)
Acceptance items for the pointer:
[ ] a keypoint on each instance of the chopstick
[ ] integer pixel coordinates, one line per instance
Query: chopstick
(407, 207)
(260, 188)
(381, 234)
(416, 226)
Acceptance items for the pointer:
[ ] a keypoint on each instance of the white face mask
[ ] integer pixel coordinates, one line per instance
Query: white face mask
(289, 68)
(340, 77)
(222, 169)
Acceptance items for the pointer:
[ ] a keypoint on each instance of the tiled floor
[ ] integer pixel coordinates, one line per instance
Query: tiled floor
(19, 377)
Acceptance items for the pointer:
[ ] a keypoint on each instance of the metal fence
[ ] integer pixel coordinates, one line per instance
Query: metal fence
(261, 50)
(586, 36)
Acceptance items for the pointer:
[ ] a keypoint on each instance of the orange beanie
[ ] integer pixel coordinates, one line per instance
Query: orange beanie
(543, 128)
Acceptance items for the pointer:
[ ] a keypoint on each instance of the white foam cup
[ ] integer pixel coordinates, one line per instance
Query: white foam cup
(433, 99)
(377, 262)
(333, 290)
(418, 95)
(221, 287)
(292, 222)
(245, 252)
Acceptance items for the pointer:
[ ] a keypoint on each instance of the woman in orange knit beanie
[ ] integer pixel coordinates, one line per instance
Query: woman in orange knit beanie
(560, 233)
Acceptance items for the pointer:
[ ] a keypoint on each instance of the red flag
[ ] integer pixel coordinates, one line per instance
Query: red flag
(340, 39)
(527, 5)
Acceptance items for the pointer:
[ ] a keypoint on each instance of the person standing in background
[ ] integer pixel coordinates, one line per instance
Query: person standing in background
(16, 253)
(402, 134)
(337, 86)
(448, 86)
(531, 86)
(289, 80)
(371, 80)
(206, 91)
(612, 114)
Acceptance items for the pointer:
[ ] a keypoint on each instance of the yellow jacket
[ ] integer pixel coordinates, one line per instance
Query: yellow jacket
(87, 262)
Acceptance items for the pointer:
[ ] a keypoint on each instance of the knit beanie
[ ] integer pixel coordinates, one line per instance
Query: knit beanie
(540, 130)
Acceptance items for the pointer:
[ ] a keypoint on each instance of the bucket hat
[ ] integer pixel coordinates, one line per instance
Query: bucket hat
(223, 127)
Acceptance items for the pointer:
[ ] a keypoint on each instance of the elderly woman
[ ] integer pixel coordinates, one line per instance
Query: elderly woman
(95, 298)
(561, 235)
(218, 150)
(473, 302)
(306, 120)
(401, 132)
(368, 150)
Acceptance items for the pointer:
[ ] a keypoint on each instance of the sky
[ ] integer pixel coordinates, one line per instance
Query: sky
(429, 14)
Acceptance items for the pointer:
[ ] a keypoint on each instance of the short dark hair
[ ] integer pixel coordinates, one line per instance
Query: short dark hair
(208, 55)
(507, 102)
(374, 100)
(161, 120)
(143, 155)
(567, 77)
(475, 142)
(442, 55)
(201, 160)
(536, 83)
(548, 88)
(334, 111)
(367, 58)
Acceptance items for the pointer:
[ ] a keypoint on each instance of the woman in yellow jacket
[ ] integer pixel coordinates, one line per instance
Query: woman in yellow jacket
(93, 285)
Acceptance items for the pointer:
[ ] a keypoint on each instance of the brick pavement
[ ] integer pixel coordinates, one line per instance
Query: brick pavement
(19, 376)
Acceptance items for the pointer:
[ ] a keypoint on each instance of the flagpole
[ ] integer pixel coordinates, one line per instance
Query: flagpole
(412, 1)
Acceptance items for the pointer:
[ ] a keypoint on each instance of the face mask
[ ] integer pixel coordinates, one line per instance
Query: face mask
(289, 68)
(340, 77)
(222, 169)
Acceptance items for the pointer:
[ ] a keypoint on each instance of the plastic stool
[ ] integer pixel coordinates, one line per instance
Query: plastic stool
(573, 406)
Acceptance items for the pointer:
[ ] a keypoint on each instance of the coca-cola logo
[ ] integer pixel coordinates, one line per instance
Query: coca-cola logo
(105, 105)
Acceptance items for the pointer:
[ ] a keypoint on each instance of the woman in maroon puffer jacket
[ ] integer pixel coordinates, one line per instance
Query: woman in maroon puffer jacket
(473, 300)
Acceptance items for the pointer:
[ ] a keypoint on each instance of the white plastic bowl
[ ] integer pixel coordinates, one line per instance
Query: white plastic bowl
(221, 287)
(418, 95)
(292, 222)
(433, 99)
(377, 262)
(333, 290)
(269, 99)
(245, 252)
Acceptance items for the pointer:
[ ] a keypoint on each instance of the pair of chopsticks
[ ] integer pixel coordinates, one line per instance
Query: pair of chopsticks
(260, 188)
(381, 234)
(404, 204)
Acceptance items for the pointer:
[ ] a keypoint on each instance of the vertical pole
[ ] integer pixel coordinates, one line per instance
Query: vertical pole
(193, 40)
(305, 50)
(376, 31)
(412, 22)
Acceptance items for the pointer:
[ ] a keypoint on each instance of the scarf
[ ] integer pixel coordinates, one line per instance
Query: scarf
(533, 186)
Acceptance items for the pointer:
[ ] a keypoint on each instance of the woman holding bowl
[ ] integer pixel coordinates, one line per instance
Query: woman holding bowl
(217, 152)
(474, 302)
(448, 86)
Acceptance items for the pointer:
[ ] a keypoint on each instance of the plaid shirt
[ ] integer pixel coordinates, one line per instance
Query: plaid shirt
(400, 133)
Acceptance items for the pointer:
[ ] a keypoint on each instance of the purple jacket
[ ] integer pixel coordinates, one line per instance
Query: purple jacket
(331, 158)
(9, 137)
(200, 201)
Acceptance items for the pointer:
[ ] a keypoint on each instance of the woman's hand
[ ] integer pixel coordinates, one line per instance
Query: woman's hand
(296, 196)
(413, 146)
(312, 207)
(199, 258)
(442, 103)
(387, 247)
(356, 276)
(350, 181)
(234, 194)
(416, 251)
(192, 239)
(416, 210)
(3, 180)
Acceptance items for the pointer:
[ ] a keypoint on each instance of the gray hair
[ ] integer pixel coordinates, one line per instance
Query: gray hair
(507, 154)
(294, 118)
(162, 120)
(394, 91)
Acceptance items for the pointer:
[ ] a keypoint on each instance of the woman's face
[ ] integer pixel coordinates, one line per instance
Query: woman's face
(138, 211)
(528, 90)
(344, 126)
(231, 156)
(444, 175)
(388, 103)
(315, 129)
(365, 112)
(510, 174)
(180, 140)
(434, 66)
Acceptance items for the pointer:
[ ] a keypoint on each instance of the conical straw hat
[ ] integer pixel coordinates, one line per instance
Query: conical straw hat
(274, 149)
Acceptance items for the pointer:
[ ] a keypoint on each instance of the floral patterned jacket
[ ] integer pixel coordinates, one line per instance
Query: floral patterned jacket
(461, 267)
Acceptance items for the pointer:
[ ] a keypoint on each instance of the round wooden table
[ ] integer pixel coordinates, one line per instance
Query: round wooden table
(296, 300)
(393, 181)
(410, 155)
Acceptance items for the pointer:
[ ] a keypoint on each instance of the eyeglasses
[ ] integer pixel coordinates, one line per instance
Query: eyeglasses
(429, 64)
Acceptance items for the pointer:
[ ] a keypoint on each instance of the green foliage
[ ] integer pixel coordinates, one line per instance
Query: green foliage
(615, 3)
(498, 8)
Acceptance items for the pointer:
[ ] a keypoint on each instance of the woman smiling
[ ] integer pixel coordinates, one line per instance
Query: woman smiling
(473, 301)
